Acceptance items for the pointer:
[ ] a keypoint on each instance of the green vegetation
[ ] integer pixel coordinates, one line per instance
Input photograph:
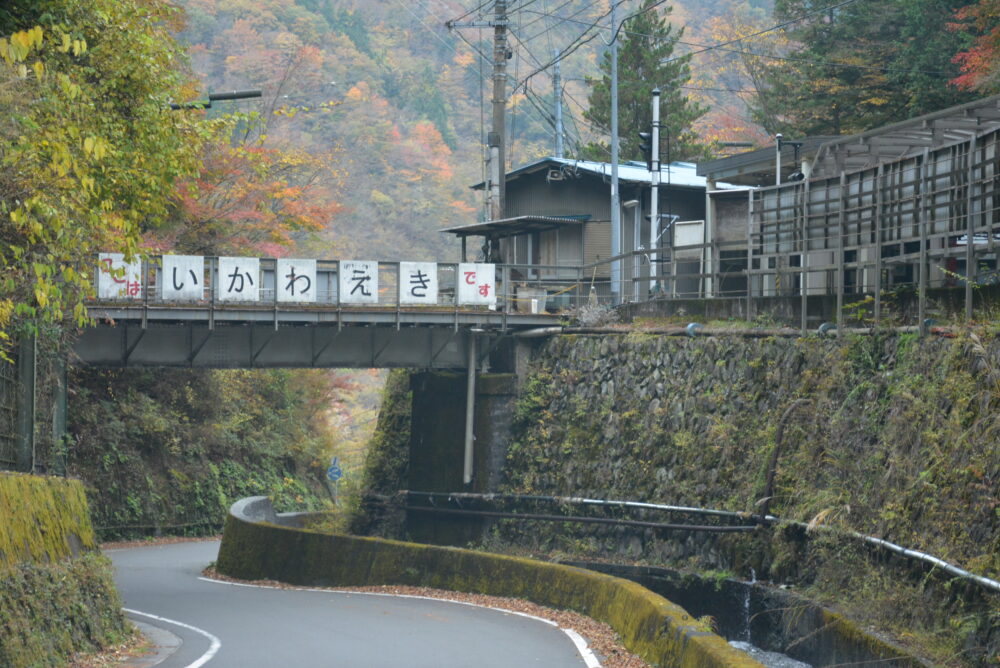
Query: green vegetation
(89, 157)
(48, 612)
(859, 66)
(170, 450)
(57, 596)
(646, 60)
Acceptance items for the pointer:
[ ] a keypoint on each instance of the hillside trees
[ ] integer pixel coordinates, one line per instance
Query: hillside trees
(645, 61)
(399, 112)
(859, 66)
(88, 155)
(980, 62)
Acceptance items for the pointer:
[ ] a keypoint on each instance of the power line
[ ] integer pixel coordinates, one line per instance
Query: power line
(767, 30)
(477, 8)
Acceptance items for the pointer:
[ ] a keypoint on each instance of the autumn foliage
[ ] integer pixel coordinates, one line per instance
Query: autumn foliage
(980, 64)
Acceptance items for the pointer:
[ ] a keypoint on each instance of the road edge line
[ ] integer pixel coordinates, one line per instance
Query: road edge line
(578, 640)
(213, 648)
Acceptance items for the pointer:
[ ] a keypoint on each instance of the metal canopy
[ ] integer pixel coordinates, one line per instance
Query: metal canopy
(756, 167)
(907, 138)
(509, 227)
(868, 149)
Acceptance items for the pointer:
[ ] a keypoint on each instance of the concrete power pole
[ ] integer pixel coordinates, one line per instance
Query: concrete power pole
(616, 231)
(497, 156)
(654, 200)
(557, 99)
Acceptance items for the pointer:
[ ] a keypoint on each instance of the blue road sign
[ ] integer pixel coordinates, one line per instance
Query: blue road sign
(334, 473)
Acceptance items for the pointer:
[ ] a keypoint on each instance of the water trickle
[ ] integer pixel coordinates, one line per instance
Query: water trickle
(746, 605)
(770, 659)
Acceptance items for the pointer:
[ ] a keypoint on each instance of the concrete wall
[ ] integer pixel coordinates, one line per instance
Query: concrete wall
(651, 626)
(437, 445)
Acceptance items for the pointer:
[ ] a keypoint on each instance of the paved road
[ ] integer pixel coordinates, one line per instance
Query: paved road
(251, 627)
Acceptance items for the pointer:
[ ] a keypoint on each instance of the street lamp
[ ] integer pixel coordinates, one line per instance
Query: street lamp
(216, 97)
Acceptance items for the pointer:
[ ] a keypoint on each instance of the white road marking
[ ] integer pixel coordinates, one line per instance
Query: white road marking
(583, 648)
(578, 641)
(215, 646)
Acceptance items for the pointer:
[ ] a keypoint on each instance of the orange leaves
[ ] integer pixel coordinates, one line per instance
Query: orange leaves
(979, 63)
(253, 198)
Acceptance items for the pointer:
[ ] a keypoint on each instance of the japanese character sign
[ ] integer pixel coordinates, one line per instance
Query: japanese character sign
(183, 277)
(358, 282)
(296, 280)
(117, 279)
(238, 279)
(418, 283)
(477, 285)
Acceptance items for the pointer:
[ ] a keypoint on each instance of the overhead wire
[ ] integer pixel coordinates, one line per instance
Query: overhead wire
(779, 26)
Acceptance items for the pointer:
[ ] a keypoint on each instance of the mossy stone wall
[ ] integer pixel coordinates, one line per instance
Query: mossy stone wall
(42, 519)
(651, 626)
(890, 435)
(57, 594)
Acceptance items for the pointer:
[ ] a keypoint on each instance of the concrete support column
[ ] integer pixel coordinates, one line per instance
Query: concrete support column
(60, 434)
(26, 363)
(437, 453)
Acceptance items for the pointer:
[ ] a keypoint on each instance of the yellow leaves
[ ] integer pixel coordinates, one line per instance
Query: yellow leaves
(875, 101)
(66, 45)
(39, 68)
(35, 36)
(17, 48)
(96, 147)
(70, 89)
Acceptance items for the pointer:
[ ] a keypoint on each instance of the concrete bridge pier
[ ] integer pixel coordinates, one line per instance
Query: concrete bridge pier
(437, 445)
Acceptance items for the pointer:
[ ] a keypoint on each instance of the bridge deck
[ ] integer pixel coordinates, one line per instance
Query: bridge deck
(323, 335)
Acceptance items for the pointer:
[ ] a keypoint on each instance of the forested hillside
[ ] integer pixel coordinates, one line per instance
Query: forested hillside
(368, 135)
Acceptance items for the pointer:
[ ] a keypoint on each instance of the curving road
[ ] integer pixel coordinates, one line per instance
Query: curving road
(230, 626)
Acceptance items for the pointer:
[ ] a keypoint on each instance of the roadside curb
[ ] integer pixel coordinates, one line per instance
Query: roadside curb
(164, 644)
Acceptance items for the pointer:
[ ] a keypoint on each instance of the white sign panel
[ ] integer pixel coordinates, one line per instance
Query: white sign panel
(418, 283)
(689, 233)
(117, 279)
(183, 277)
(358, 282)
(477, 285)
(296, 280)
(238, 279)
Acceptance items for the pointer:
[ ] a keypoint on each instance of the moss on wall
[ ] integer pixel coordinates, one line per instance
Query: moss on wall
(51, 604)
(48, 612)
(892, 436)
(651, 626)
(42, 519)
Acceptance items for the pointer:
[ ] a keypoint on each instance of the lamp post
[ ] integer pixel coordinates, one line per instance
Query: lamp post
(216, 97)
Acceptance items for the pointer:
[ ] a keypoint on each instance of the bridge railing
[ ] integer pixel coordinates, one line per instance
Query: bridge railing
(247, 282)
(182, 280)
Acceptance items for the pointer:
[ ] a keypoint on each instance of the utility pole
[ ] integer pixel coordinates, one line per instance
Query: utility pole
(496, 141)
(654, 188)
(557, 98)
(616, 244)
